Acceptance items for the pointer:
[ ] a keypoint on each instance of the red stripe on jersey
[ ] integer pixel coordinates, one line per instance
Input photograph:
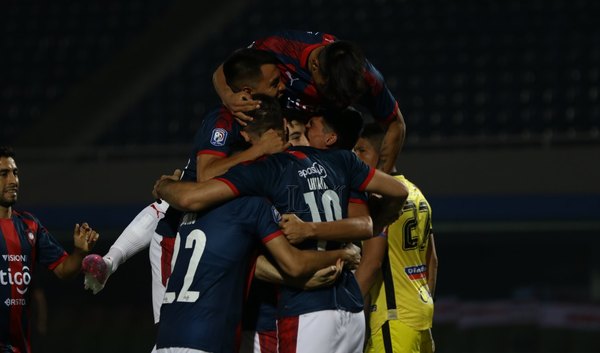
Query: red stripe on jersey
(297, 154)
(211, 152)
(267, 341)
(272, 236)
(367, 180)
(53, 265)
(355, 200)
(167, 245)
(287, 333)
(18, 337)
(225, 120)
(230, 184)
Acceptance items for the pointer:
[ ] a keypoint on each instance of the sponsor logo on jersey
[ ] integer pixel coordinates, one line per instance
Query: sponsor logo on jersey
(315, 170)
(13, 258)
(276, 215)
(218, 137)
(13, 302)
(416, 272)
(20, 279)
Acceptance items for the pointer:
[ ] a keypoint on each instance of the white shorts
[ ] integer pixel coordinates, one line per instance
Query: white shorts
(327, 331)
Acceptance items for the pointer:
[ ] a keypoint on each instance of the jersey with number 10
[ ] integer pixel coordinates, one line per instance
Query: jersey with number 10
(315, 185)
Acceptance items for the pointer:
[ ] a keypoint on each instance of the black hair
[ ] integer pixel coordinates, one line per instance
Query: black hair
(342, 64)
(347, 123)
(268, 116)
(374, 133)
(242, 68)
(6, 151)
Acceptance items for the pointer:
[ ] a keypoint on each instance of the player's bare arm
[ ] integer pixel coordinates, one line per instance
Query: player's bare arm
(392, 144)
(432, 265)
(388, 186)
(303, 263)
(268, 272)
(190, 195)
(373, 252)
(355, 227)
(84, 239)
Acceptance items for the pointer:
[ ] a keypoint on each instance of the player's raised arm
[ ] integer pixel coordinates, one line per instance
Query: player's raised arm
(192, 196)
(84, 239)
(392, 143)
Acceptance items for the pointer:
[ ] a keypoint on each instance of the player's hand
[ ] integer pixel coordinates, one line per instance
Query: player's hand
(271, 142)
(352, 256)
(165, 179)
(295, 229)
(325, 277)
(84, 238)
(240, 102)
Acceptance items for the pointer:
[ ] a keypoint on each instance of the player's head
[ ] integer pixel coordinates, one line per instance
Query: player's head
(253, 71)
(9, 177)
(369, 144)
(268, 116)
(295, 124)
(338, 72)
(335, 129)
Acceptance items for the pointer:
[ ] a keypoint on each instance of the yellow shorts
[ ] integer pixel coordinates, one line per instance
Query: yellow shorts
(396, 337)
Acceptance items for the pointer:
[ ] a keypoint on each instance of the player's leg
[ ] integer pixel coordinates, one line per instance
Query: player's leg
(135, 237)
(326, 331)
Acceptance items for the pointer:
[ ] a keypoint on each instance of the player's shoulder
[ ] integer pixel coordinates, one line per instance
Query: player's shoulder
(25, 215)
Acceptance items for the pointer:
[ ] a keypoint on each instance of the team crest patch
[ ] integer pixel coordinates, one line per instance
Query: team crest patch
(276, 215)
(218, 137)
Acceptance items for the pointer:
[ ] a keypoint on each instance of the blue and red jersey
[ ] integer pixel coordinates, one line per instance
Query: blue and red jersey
(24, 243)
(217, 135)
(292, 49)
(202, 308)
(315, 185)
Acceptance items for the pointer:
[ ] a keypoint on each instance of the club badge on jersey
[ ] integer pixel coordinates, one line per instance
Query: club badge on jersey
(276, 215)
(218, 137)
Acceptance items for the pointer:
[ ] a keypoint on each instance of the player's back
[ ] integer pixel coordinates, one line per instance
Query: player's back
(315, 185)
(202, 306)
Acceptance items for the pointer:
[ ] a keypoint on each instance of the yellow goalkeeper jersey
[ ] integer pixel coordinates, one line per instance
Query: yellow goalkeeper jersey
(401, 291)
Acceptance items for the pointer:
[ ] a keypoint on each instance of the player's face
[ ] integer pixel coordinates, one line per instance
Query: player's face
(366, 152)
(271, 83)
(9, 182)
(296, 135)
(317, 133)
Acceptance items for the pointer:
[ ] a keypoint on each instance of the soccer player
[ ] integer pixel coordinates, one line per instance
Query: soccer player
(320, 70)
(249, 70)
(315, 185)
(25, 244)
(202, 306)
(398, 270)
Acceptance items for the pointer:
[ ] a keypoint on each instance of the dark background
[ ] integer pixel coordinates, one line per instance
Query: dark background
(501, 101)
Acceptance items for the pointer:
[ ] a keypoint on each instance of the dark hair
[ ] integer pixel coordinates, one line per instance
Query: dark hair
(6, 151)
(342, 64)
(347, 124)
(242, 68)
(374, 133)
(268, 116)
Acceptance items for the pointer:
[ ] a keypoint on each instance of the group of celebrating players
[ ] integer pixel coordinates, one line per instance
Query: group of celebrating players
(252, 243)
